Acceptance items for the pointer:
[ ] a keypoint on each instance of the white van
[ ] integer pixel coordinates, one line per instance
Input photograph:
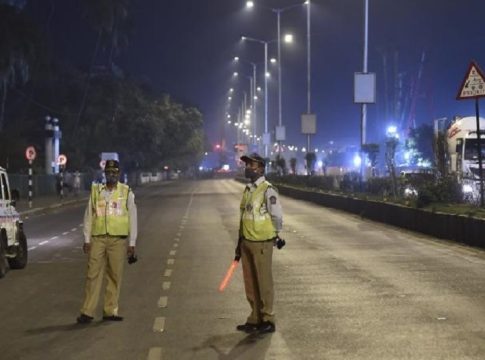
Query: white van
(13, 242)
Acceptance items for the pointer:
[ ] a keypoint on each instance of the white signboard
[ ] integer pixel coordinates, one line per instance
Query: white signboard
(364, 88)
(309, 124)
(280, 133)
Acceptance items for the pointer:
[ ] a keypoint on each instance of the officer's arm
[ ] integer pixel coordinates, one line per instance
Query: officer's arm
(87, 223)
(274, 208)
(133, 215)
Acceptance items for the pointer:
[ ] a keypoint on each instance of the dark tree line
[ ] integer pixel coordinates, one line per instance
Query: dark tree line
(100, 109)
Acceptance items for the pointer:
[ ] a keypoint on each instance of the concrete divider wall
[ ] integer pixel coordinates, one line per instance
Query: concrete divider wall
(459, 228)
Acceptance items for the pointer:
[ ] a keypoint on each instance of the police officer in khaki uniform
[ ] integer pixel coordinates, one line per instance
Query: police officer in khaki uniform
(261, 221)
(110, 220)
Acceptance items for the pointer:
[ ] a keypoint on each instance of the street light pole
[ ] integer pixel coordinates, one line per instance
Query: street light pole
(278, 13)
(266, 134)
(265, 99)
(365, 63)
(309, 79)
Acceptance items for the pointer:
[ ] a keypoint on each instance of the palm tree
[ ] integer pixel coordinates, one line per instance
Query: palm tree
(18, 41)
(109, 19)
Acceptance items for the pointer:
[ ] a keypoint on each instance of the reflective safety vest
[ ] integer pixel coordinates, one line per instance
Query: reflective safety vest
(110, 217)
(256, 221)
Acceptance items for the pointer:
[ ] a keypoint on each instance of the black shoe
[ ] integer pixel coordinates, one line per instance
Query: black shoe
(113, 318)
(247, 328)
(84, 319)
(266, 327)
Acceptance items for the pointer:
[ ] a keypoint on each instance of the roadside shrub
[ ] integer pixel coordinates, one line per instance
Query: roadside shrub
(379, 186)
(350, 182)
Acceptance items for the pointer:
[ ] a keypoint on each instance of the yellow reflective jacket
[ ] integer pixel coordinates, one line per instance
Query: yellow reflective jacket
(110, 217)
(256, 224)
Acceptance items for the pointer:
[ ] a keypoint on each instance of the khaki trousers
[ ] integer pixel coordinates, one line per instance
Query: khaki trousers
(257, 259)
(107, 255)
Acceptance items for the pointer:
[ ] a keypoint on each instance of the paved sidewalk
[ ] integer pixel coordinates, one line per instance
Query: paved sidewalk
(49, 202)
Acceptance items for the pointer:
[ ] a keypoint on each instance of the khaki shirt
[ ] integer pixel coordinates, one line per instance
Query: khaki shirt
(132, 214)
(273, 203)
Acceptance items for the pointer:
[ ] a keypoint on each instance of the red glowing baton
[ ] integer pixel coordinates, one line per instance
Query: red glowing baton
(228, 276)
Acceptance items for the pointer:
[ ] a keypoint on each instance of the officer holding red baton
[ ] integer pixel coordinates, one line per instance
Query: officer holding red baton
(261, 221)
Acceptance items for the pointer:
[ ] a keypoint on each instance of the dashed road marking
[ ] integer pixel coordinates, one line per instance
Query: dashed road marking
(54, 238)
(177, 239)
(173, 252)
(32, 248)
(170, 261)
(159, 324)
(162, 302)
(175, 245)
(168, 273)
(166, 285)
(155, 353)
(65, 233)
(44, 242)
(73, 229)
(81, 225)
(179, 234)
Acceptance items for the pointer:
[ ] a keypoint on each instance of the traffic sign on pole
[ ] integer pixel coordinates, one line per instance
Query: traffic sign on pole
(30, 153)
(473, 85)
(62, 160)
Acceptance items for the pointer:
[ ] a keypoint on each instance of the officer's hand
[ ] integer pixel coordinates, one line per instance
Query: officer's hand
(237, 252)
(130, 251)
(86, 248)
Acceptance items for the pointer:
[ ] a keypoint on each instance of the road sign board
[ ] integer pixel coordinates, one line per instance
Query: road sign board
(30, 153)
(62, 159)
(473, 85)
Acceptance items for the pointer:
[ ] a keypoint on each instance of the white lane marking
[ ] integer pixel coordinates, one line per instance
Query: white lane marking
(44, 242)
(81, 225)
(173, 252)
(168, 273)
(159, 324)
(155, 353)
(73, 229)
(32, 248)
(166, 285)
(179, 234)
(177, 239)
(175, 245)
(65, 233)
(170, 261)
(54, 238)
(162, 302)
(26, 217)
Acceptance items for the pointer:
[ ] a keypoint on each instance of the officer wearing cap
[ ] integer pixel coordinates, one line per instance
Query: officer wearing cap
(261, 221)
(110, 220)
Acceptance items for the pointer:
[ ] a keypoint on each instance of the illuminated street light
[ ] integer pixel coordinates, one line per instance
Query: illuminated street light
(288, 38)
(249, 4)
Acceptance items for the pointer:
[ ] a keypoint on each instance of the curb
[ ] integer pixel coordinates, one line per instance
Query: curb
(53, 206)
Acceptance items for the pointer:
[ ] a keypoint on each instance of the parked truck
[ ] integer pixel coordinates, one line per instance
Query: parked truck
(462, 140)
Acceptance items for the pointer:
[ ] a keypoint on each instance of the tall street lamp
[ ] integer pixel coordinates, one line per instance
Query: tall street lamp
(278, 12)
(253, 95)
(266, 139)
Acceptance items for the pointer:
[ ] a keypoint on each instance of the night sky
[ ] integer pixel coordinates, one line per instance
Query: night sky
(185, 48)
